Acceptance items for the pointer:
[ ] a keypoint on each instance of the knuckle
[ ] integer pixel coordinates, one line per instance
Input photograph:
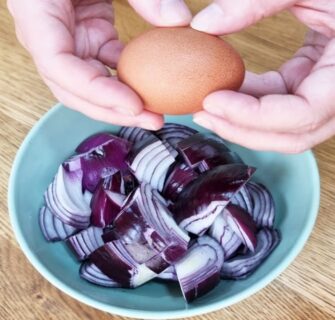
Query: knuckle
(299, 146)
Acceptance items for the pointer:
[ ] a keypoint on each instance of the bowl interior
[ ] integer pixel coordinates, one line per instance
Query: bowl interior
(293, 181)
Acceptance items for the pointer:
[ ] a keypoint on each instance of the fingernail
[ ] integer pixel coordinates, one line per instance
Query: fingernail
(125, 111)
(203, 122)
(175, 12)
(207, 18)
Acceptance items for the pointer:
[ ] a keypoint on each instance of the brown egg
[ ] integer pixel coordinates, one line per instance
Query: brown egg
(174, 69)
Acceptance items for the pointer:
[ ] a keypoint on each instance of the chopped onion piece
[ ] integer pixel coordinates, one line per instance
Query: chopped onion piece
(115, 262)
(263, 212)
(200, 146)
(134, 134)
(168, 274)
(54, 229)
(94, 141)
(242, 224)
(222, 232)
(85, 242)
(173, 133)
(242, 265)
(65, 198)
(90, 272)
(199, 271)
(204, 198)
(147, 228)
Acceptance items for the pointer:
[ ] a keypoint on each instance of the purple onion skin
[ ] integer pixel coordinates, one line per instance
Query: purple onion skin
(139, 145)
(199, 147)
(218, 184)
(134, 134)
(111, 265)
(180, 176)
(104, 211)
(246, 227)
(140, 228)
(103, 161)
(227, 157)
(94, 141)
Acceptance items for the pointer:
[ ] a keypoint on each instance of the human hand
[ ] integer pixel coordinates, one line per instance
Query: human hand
(289, 110)
(72, 42)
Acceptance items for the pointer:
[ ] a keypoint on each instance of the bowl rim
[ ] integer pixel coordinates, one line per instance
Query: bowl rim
(138, 313)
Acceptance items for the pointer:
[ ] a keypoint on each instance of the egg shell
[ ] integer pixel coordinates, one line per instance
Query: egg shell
(174, 69)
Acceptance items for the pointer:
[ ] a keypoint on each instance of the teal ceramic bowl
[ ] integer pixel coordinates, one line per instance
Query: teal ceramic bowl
(292, 179)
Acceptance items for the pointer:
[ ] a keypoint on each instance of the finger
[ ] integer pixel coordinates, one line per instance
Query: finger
(253, 139)
(145, 119)
(110, 53)
(86, 81)
(226, 16)
(163, 13)
(259, 85)
(276, 113)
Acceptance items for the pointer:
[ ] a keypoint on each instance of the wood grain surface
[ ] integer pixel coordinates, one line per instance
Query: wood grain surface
(304, 291)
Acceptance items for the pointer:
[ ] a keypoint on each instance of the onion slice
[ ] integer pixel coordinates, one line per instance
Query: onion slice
(203, 199)
(263, 212)
(54, 229)
(243, 265)
(67, 201)
(115, 262)
(200, 146)
(150, 160)
(105, 203)
(222, 233)
(85, 242)
(180, 176)
(94, 141)
(134, 134)
(148, 230)
(199, 271)
(90, 272)
(173, 133)
(168, 274)
(100, 162)
(242, 224)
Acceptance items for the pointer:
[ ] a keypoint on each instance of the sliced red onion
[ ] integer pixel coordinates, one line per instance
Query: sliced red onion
(242, 224)
(173, 133)
(199, 271)
(54, 229)
(243, 265)
(203, 199)
(180, 176)
(147, 228)
(134, 134)
(150, 161)
(200, 146)
(100, 162)
(85, 242)
(115, 262)
(226, 157)
(90, 272)
(222, 232)
(65, 198)
(105, 203)
(94, 141)
(263, 212)
(243, 199)
(168, 274)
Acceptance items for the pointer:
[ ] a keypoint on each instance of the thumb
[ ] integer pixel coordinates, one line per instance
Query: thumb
(227, 16)
(163, 13)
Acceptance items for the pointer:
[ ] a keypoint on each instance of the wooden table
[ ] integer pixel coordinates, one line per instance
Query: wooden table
(304, 291)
